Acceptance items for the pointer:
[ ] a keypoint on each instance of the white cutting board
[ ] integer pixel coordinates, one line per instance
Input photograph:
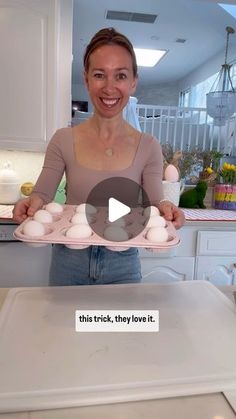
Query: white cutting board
(45, 364)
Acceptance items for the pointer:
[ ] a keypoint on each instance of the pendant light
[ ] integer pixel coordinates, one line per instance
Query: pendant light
(221, 100)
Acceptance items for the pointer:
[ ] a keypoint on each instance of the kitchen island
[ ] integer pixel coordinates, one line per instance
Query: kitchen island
(202, 406)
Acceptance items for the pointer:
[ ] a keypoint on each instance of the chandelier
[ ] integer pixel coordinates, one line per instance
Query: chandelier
(221, 100)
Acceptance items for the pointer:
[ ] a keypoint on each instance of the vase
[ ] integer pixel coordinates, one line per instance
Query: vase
(225, 196)
(172, 191)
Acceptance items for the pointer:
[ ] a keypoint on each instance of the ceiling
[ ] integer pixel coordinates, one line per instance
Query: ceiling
(201, 22)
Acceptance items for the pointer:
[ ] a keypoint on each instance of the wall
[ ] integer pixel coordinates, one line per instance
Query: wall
(209, 68)
(164, 94)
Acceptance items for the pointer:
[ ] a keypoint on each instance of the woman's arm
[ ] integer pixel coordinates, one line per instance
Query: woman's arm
(47, 183)
(53, 168)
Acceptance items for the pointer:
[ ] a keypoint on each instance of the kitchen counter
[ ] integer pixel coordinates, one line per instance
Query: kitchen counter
(215, 217)
(205, 406)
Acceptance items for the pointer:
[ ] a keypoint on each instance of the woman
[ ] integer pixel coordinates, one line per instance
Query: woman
(102, 147)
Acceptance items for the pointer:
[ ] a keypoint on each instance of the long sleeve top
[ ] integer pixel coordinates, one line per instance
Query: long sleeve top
(60, 158)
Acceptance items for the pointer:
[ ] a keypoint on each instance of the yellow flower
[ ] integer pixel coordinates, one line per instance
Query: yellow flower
(226, 166)
(209, 170)
(228, 173)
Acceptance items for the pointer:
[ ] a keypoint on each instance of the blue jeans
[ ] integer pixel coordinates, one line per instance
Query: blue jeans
(93, 265)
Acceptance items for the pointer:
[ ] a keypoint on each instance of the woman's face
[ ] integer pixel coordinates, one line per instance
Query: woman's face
(110, 80)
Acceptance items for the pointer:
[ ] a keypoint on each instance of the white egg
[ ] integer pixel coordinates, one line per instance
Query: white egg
(33, 229)
(43, 216)
(171, 173)
(115, 233)
(79, 218)
(120, 222)
(156, 221)
(151, 211)
(54, 208)
(157, 235)
(117, 248)
(79, 231)
(88, 208)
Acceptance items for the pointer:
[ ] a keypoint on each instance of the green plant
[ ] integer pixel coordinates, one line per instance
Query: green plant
(183, 160)
(228, 173)
(210, 158)
(187, 161)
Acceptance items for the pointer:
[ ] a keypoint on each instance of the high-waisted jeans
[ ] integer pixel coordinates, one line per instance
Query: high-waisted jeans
(93, 265)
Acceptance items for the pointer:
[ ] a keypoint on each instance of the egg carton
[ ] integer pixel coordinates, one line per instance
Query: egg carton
(55, 232)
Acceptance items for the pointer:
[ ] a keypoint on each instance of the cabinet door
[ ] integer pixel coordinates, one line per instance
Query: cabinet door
(217, 243)
(167, 269)
(30, 109)
(23, 265)
(217, 270)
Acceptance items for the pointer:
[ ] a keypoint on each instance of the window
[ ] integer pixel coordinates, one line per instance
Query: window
(233, 77)
(184, 98)
(198, 92)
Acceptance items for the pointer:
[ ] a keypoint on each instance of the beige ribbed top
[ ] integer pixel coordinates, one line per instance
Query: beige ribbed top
(146, 169)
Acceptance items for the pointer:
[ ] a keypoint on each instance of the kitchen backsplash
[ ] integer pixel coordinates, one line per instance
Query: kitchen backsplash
(27, 164)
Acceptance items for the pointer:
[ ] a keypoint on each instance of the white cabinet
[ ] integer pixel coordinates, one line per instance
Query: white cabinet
(23, 265)
(207, 251)
(216, 257)
(218, 270)
(167, 269)
(216, 243)
(35, 77)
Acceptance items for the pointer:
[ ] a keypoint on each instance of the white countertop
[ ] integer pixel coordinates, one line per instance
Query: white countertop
(207, 406)
(210, 217)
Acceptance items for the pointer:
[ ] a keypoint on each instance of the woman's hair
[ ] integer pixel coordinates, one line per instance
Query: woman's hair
(109, 36)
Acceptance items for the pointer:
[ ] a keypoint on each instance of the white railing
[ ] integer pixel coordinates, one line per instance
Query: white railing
(182, 128)
(187, 128)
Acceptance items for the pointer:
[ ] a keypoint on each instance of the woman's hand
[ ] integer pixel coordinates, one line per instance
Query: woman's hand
(26, 208)
(172, 213)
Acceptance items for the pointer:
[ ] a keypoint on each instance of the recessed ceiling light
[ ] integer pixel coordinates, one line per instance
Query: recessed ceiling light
(148, 57)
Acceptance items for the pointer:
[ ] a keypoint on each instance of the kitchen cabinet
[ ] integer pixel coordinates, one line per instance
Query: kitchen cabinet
(216, 257)
(207, 250)
(218, 270)
(23, 265)
(36, 60)
(167, 269)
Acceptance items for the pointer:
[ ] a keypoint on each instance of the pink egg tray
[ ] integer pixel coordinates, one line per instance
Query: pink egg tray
(56, 232)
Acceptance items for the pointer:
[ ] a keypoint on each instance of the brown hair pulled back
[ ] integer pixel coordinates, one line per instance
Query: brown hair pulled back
(109, 36)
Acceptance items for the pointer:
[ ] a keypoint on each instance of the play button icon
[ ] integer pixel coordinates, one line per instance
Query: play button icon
(120, 203)
(116, 210)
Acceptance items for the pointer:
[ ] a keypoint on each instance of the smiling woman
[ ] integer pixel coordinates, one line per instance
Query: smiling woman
(103, 147)
(110, 79)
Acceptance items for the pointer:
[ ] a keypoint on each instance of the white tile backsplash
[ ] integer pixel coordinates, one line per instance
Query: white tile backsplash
(26, 164)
